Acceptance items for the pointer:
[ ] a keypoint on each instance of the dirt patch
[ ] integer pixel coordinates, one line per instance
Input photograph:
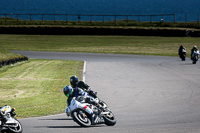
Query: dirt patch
(19, 92)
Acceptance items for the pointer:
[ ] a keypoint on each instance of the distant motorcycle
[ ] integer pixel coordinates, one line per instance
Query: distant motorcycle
(182, 55)
(12, 124)
(195, 56)
(81, 112)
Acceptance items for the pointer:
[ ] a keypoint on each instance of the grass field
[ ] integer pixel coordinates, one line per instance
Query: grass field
(145, 45)
(34, 88)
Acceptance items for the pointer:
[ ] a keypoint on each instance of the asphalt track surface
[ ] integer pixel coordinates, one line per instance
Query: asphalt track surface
(147, 94)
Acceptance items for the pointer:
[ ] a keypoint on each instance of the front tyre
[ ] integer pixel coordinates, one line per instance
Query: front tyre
(183, 58)
(82, 118)
(109, 119)
(15, 128)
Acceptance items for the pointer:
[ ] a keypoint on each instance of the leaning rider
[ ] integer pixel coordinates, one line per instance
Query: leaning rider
(192, 50)
(181, 50)
(71, 92)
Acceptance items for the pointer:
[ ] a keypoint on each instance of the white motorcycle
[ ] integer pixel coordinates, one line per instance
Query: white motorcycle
(86, 114)
(195, 56)
(12, 124)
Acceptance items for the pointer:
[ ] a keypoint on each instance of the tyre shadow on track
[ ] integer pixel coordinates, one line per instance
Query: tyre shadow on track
(57, 127)
(62, 119)
(187, 64)
(68, 126)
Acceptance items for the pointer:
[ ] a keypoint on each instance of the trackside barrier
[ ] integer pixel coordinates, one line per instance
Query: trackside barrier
(84, 17)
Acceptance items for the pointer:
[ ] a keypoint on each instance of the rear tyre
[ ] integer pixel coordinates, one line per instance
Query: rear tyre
(183, 58)
(82, 118)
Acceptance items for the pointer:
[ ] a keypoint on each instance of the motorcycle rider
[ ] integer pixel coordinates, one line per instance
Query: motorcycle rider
(192, 50)
(74, 81)
(3, 112)
(76, 92)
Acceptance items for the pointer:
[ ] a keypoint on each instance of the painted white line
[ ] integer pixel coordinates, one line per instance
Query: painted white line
(84, 70)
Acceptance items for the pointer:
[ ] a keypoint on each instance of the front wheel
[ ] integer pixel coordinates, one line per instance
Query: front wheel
(109, 119)
(82, 118)
(15, 128)
(194, 61)
(183, 58)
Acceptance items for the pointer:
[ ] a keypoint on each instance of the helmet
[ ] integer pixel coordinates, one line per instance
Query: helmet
(68, 90)
(74, 81)
(194, 47)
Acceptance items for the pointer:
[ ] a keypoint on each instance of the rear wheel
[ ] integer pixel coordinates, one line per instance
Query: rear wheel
(183, 58)
(82, 118)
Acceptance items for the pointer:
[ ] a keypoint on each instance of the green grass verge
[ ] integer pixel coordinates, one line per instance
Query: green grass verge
(6, 55)
(34, 87)
(145, 45)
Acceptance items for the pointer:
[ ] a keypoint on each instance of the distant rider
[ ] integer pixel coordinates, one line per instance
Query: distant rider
(192, 50)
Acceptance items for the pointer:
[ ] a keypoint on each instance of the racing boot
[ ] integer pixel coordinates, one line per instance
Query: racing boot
(95, 117)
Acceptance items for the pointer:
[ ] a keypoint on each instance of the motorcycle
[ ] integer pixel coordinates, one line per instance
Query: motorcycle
(83, 113)
(12, 124)
(182, 55)
(195, 56)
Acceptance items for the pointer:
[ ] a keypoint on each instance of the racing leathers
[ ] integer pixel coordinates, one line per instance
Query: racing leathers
(3, 111)
(86, 88)
(79, 92)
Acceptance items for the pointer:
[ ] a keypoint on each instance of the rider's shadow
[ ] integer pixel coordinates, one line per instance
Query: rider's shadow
(63, 119)
(67, 126)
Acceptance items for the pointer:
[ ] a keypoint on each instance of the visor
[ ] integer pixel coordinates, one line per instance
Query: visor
(68, 94)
